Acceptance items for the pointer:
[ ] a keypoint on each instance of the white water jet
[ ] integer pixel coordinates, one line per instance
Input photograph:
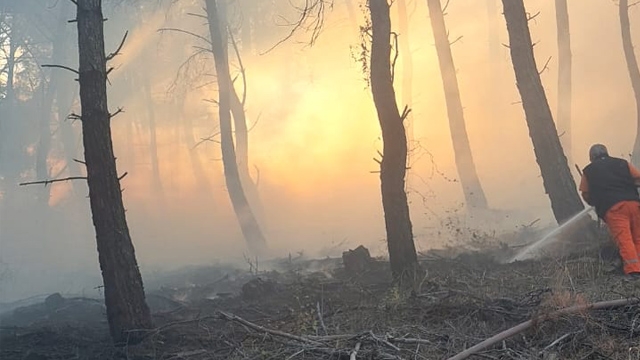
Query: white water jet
(528, 252)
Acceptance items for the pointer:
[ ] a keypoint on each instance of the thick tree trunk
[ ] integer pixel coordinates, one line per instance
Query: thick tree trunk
(123, 289)
(473, 193)
(556, 175)
(634, 72)
(407, 65)
(248, 223)
(153, 138)
(402, 251)
(564, 77)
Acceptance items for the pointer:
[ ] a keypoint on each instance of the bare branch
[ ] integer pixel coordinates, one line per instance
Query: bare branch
(74, 117)
(74, 1)
(118, 111)
(444, 8)
(529, 18)
(546, 66)
(123, 176)
(47, 182)
(117, 52)
(186, 32)
(197, 15)
(208, 138)
(79, 161)
(61, 67)
(456, 40)
(405, 113)
(312, 11)
(242, 70)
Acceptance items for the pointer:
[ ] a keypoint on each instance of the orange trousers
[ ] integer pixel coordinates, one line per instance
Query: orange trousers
(623, 220)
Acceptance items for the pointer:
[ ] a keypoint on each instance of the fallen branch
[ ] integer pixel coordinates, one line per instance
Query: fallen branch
(320, 319)
(529, 323)
(249, 324)
(354, 353)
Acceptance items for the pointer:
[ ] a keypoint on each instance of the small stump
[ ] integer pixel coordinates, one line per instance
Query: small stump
(357, 260)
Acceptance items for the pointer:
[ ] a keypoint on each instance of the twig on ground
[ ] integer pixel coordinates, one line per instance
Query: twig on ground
(321, 319)
(231, 317)
(354, 353)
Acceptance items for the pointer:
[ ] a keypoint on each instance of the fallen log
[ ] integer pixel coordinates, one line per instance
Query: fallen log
(539, 319)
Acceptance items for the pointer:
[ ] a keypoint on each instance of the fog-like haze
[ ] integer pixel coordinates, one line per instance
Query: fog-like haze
(314, 134)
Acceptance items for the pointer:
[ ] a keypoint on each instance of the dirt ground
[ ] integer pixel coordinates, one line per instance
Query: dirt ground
(314, 309)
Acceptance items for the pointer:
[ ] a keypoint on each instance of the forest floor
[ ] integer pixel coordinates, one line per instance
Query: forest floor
(315, 309)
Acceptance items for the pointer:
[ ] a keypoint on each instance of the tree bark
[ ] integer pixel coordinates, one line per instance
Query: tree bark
(407, 65)
(556, 175)
(248, 223)
(634, 72)
(564, 77)
(123, 288)
(402, 251)
(473, 192)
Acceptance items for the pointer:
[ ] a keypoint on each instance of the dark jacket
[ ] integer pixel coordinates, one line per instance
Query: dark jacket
(610, 182)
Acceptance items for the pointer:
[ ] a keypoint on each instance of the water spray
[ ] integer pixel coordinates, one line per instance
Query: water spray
(528, 252)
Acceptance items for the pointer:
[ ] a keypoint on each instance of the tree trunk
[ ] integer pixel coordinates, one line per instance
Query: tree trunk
(248, 223)
(11, 68)
(402, 251)
(242, 152)
(153, 138)
(407, 64)
(473, 193)
(556, 175)
(564, 77)
(634, 72)
(123, 289)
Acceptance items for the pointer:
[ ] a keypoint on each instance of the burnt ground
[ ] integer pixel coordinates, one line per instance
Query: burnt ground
(303, 309)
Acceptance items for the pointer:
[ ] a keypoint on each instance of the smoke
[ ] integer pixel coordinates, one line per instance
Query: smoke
(314, 134)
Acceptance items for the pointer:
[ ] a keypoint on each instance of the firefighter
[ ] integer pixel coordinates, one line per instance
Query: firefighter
(610, 185)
